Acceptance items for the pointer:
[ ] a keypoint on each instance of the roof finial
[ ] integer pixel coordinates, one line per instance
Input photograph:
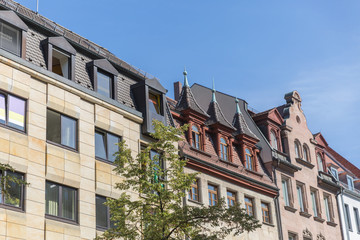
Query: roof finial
(213, 92)
(186, 83)
(237, 106)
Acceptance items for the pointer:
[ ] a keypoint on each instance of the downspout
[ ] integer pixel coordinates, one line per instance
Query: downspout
(277, 205)
(341, 205)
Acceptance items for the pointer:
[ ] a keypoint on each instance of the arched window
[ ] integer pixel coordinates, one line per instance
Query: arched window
(196, 143)
(297, 149)
(320, 162)
(273, 140)
(306, 153)
(223, 149)
(249, 160)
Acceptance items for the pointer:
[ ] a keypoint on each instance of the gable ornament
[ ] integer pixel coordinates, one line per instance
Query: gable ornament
(307, 233)
(320, 237)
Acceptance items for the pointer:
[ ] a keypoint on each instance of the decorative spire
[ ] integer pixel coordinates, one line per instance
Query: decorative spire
(186, 83)
(237, 106)
(213, 92)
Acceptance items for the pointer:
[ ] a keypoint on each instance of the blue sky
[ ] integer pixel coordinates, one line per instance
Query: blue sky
(255, 50)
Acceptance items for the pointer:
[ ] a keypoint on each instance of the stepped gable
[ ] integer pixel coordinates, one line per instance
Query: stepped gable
(187, 100)
(240, 124)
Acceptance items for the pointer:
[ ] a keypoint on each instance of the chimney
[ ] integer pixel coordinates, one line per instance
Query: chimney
(177, 90)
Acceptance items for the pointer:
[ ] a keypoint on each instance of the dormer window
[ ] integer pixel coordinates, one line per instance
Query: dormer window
(155, 103)
(104, 77)
(60, 63)
(12, 33)
(350, 183)
(195, 137)
(320, 162)
(223, 150)
(273, 140)
(335, 173)
(249, 160)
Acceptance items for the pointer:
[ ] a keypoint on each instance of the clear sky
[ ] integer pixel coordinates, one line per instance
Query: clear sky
(255, 50)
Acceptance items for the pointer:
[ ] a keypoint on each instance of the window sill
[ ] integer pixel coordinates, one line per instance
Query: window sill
(62, 146)
(60, 219)
(12, 208)
(253, 172)
(319, 219)
(268, 224)
(13, 129)
(200, 151)
(305, 163)
(332, 224)
(105, 161)
(196, 202)
(228, 162)
(290, 209)
(305, 214)
(101, 229)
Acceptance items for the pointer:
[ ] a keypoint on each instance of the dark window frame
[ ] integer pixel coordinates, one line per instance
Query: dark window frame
(61, 218)
(160, 99)
(108, 220)
(6, 125)
(76, 149)
(22, 197)
(22, 39)
(99, 130)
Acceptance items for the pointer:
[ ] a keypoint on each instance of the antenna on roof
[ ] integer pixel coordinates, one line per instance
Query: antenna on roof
(37, 6)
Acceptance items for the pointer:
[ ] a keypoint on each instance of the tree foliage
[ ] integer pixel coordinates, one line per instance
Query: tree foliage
(152, 206)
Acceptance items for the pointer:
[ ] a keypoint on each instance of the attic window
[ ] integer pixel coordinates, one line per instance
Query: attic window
(155, 103)
(104, 84)
(10, 39)
(60, 63)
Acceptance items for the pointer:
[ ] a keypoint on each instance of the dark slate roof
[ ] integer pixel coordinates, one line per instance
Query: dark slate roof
(187, 101)
(216, 115)
(241, 126)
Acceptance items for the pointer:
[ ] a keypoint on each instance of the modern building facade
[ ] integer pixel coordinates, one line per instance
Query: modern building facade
(308, 193)
(64, 103)
(222, 147)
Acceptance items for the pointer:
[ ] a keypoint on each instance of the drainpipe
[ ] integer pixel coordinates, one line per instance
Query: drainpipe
(341, 205)
(277, 206)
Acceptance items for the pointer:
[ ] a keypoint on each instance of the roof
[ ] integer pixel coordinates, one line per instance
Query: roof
(217, 116)
(187, 101)
(348, 165)
(241, 126)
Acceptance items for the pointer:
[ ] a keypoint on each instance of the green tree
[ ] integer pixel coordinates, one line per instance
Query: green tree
(155, 211)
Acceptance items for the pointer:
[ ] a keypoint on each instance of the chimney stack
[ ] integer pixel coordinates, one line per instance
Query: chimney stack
(177, 90)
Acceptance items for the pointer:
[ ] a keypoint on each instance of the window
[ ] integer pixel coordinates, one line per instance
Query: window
(327, 208)
(347, 217)
(106, 145)
(350, 183)
(357, 219)
(155, 103)
(249, 160)
(273, 140)
(297, 149)
(104, 84)
(249, 206)
(15, 197)
(196, 143)
(61, 201)
(159, 165)
(194, 191)
(286, 192)
(61, 129)
(223, 149)
(103, 221)
(265, 212)
(306, 153)
(231, 198)
(10, 39)
(320, 162)
(12, 111)
(213, 195)
(314, 200)
(335, 173)
(60, 63)
(300, 193)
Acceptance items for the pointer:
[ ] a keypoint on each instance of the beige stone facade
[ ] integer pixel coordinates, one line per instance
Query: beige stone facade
(29, 153)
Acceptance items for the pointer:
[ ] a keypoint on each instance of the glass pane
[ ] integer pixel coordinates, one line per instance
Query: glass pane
(68, 131)
(212, 188)
(53, 124)
(10, 39)
(112, 146)
(14, 190)
(52, 199)
(2, 109)
(273, 140)
(60, 63)
(101, 212)
(154, 103)
(100, 145)
(16, 113)
(68, 203)
(103, 84)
